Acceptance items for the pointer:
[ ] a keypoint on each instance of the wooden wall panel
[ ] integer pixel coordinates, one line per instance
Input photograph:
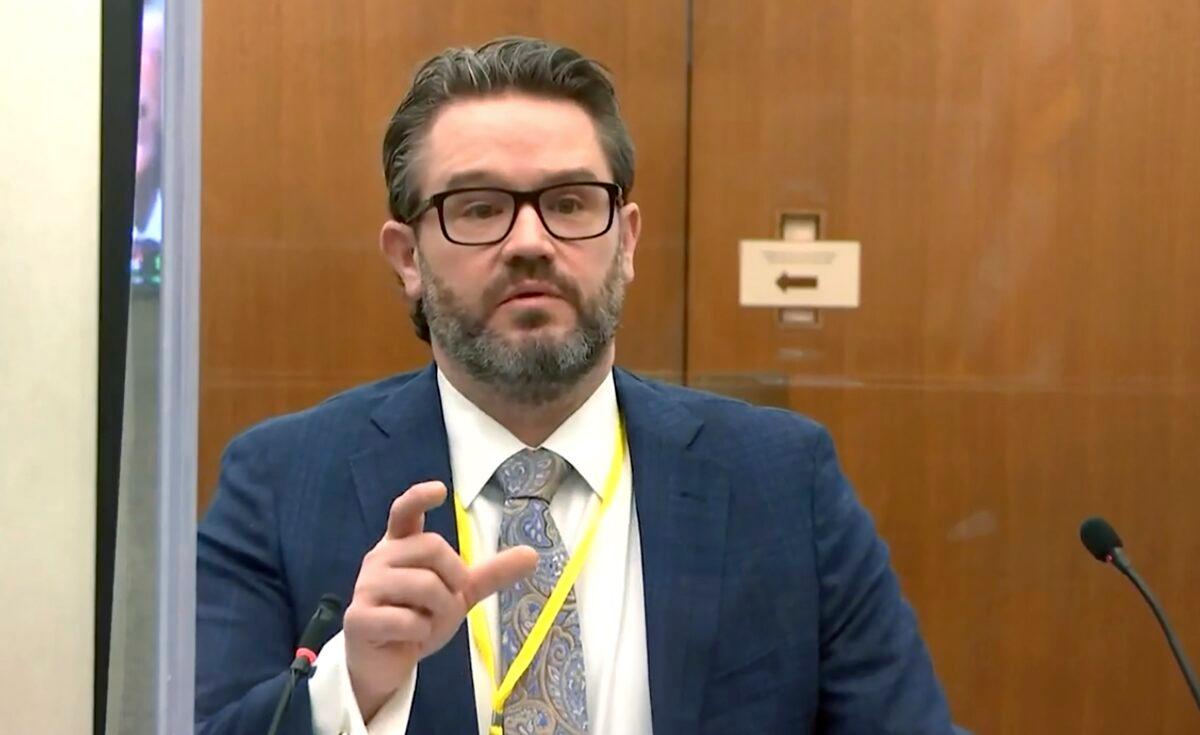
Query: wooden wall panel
(1022, 175)
(297, 304)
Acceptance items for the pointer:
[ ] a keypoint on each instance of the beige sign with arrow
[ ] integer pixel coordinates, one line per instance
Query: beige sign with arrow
(788, 273)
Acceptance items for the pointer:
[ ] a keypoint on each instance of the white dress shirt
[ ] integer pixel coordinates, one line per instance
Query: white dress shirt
(608, 591)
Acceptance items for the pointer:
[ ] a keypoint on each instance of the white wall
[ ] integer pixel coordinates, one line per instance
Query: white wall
(49, 256)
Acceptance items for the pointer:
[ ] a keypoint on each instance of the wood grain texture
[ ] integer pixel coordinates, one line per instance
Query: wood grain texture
(1023, 177)
(1022, 174)
(297, 303)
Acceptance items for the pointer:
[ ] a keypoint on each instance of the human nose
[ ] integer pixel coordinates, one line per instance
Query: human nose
(528, 237)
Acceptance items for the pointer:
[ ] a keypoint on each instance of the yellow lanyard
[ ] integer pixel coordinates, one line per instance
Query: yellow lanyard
(479, 626)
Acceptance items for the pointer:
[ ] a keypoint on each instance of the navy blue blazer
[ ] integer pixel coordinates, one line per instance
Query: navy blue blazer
(771, 607)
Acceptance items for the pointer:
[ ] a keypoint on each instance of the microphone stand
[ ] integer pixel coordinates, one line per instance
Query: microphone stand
(1121, 561)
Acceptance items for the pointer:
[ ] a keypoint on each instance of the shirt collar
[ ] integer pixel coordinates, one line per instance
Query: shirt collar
(479, 444)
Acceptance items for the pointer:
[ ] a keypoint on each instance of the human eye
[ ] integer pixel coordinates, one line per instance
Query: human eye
(478, 206)
(572, 200)
(480, 210)
(567, 204)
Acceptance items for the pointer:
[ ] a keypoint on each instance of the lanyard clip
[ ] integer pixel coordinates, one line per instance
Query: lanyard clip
(497, 727)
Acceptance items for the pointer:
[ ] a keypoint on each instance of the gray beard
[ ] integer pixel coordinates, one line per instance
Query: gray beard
(534, 370)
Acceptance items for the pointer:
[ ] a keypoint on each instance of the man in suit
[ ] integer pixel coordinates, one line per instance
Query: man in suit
(645, 558)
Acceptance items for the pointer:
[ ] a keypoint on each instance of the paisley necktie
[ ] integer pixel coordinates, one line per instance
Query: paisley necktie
(551, 696)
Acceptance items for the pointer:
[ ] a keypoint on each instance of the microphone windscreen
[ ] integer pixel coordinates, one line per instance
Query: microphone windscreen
(328, 610)
(331, 602)
(1099, 537)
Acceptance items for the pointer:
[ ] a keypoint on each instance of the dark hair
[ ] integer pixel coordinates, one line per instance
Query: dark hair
(528, 65)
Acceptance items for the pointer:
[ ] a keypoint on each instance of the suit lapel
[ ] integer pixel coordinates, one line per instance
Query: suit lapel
(682, 504)
(412, 448)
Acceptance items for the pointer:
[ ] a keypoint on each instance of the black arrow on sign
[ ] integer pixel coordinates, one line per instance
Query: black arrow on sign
(785, 282)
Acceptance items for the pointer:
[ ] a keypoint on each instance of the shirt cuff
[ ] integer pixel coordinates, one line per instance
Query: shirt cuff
(334, 706)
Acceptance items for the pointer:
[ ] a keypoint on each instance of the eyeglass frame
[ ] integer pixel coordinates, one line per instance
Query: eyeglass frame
(520, 199)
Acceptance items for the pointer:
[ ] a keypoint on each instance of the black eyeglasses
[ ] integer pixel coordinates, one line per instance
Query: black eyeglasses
(485, 215)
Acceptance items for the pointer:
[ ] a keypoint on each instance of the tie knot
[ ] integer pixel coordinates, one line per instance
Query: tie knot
(531, 473)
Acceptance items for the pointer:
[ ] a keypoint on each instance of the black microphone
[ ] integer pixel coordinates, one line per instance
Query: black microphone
(328, 610)
(1102, 541)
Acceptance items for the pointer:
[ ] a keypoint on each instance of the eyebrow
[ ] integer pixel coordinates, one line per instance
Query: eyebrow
(491, 178)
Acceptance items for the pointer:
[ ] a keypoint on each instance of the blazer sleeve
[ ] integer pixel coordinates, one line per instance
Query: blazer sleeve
(245, 624)
(875, 672)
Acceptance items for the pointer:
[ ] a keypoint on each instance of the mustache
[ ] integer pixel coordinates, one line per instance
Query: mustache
(530, 270)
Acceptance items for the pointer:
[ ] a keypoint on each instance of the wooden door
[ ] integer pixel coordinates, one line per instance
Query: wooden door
(1023, 176)
(297, 303)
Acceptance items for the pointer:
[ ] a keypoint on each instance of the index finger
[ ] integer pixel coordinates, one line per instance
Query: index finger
(502, 570)
(407, 515)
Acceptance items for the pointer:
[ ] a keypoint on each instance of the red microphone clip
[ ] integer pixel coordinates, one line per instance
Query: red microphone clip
(307, 653)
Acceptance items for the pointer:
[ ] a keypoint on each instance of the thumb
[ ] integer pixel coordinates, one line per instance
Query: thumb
(499, 572)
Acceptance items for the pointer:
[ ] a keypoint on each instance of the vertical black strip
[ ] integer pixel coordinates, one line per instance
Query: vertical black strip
(120, 56)
(687, 193)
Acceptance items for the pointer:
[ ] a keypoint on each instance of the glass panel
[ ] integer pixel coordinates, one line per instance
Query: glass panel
(133, 662)
(152, 623)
